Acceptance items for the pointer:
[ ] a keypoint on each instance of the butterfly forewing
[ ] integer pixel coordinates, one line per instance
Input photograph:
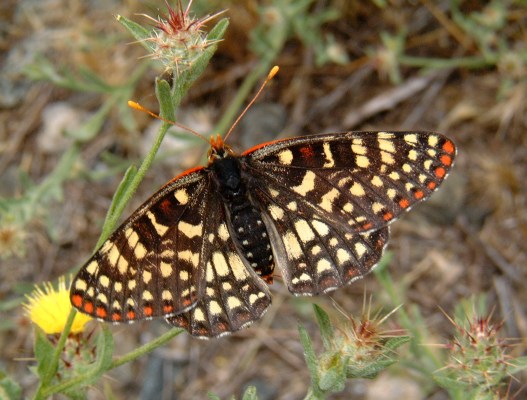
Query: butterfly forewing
(360, 179)
(151, 265)
(234, 296)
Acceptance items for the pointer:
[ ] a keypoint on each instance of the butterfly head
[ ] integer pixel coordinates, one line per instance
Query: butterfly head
(218, 149)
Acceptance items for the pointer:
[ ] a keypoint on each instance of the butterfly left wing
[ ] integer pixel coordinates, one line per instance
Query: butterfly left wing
(234, 296)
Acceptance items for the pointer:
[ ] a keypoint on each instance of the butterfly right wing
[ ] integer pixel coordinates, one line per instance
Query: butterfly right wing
(150, 266)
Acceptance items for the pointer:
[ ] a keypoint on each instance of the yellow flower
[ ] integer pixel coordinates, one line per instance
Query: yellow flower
(49, 308)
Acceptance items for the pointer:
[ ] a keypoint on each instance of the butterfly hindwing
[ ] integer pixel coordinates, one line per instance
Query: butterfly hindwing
(234, 296)
(151, 265)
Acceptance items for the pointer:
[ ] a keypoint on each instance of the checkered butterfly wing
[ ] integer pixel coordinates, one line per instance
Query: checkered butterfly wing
(329, 198)
(150, 266)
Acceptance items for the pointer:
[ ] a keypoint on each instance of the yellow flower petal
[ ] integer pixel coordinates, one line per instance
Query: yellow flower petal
(50, 308)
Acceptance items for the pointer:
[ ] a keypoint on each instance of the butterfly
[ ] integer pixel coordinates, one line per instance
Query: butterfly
(202, 251)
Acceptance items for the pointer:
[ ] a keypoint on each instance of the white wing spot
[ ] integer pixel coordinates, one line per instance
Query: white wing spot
(181, 196)
(307, 185)
(304, 231)
(292, 247)
(285, 157)
(321, 228)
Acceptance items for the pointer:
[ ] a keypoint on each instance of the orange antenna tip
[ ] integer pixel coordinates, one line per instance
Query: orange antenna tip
(273, 72)
(135, 106)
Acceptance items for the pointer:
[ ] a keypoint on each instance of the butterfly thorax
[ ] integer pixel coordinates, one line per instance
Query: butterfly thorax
(248, 228)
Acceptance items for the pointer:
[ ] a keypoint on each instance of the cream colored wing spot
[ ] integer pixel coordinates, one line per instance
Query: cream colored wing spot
(113, 255)
(293, 248)
(253, 298)
(387, 158)
(198, 315)
(343, 256)
(122, 265)
(168, 253)
(385, 135)
(132, 284)
(116, 305)
(233, 302)
(238, 269)
(274, 193)
(104, 281)
(215, 308)
(223, 232)
(91, 291)
(360, 249)
(391, 193)
(428, 164)
(181, 196)
(140, 251)
(92, 268)
(166, 295)
(323, 265)
(321, 228)
(285, 157)
(412, 155)
(147, 296)
(357, 190)
(328, 199)
(409, 186)
(316, 250)
(362, 161)
(190, 230)
(118, 287)
(394, 176)
(330, 162)
(410, 138)
(132, 237)
(386, 145)
(407, 168)
(376, 181)
(190, 257)
(422, 178)
(276, 212)
(377, 207)
(102, 298)
(220, 263)
(210, 292)
(348, 207)
(307, 185)
(358, 148)
(302, 278)
(226, 286)
(165, 269)
(432, 152)
(292, 206)
(333, 242)
(304, 231)
(147, 277)
(433, 140)
(160, 229)
(81, 284)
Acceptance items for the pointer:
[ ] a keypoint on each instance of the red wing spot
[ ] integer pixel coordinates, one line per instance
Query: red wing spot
(88, 307)
(168, 309)
(148, 311)
(101, 312)
(187, 302)
(307, 152)
(387, 216)
(268, 279)
(419, 194)
(367, 226)
(76, 299)
(440, 172)
(116, 317)
(431, 185)
(166, 206)
(446, 160)
(404, 203)
(130, 315)
(448, 146)
(222, 326)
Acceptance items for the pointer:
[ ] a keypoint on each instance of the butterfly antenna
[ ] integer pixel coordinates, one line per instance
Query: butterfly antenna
(270, 76)
(139, 107)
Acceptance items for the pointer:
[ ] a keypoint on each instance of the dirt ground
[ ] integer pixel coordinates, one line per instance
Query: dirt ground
(470, 238)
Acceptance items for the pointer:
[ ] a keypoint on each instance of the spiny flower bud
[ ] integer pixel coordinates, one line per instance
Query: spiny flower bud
(178, 39)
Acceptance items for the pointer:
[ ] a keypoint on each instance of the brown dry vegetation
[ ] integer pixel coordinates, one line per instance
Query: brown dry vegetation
(470, 238)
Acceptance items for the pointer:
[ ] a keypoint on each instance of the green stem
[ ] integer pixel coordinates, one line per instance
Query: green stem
(41, 392)
(443, 63)
(146, 348)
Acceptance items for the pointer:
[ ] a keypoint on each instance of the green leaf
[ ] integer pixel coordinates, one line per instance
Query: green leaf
(137, 31)
(44, 354)
(450, 383)
(213, 396)
(219, 29)
(370, 370)
(9, 389)
(395, 342)
(326, 328)
(334, 378)
(250, 394)
(164, 96)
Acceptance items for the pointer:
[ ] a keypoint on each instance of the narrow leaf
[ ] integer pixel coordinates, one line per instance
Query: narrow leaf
(137, 31)
(326, 328)
(44, 354)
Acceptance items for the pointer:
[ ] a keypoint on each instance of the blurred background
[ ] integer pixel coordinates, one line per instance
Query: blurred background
(67, 69)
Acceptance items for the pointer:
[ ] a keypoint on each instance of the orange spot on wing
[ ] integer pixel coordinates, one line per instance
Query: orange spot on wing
(101, 312)
(88, 307)
(448, 146)
(130, 314)
(148, 311)
(446, 159)
(76, 299)
(116, 317)
(440, 172)
(419, 194)
(167, 309)
(367, 226)
(387, 216)
(404, 203)
(187, 302)
(431, 185)
(307, 152)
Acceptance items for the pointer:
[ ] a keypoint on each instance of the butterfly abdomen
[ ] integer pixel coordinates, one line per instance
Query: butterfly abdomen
(247, 226)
